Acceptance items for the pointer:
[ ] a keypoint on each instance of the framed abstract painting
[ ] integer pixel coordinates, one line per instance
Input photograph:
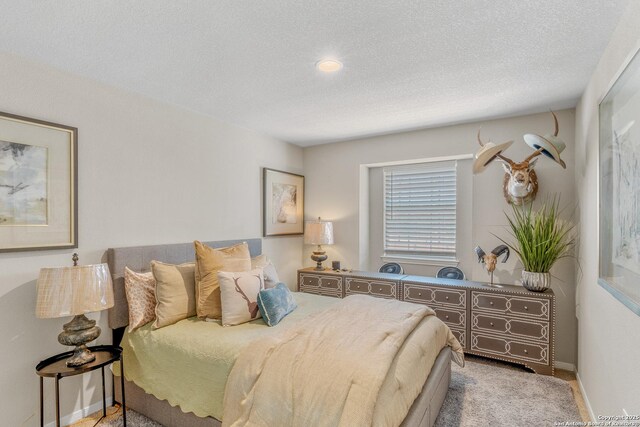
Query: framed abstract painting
(619, 188)
(38, 185)
(283, 203)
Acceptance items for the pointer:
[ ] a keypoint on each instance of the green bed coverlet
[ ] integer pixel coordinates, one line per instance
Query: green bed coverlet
(188, 363)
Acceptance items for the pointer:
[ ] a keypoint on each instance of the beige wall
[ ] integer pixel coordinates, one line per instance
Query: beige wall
(333, 179)
(609, 333)
(149, 173)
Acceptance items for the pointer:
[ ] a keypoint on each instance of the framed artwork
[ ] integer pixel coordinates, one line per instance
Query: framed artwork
(619, 188)
(38, 185)
(283, 203)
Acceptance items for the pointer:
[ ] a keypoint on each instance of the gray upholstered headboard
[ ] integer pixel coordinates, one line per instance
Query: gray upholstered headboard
(138, 258)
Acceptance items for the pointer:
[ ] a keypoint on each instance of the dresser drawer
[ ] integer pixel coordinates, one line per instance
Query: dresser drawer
(453, 318)
(461, 336)
(418, 294)
(510, 348)
(320, 284)
(537, 308)
(332, 283)
(450, 297)
(507, 304)
(378, 288)
(514, 327)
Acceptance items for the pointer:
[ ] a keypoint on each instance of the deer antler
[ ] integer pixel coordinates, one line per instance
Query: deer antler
(257, 276)
(239, 290)
(533, 155)
(500, 156)
(252, 306)
(555, 122)
(480, 140)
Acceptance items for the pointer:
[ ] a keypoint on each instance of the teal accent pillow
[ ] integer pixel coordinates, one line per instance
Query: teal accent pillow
(275, 303)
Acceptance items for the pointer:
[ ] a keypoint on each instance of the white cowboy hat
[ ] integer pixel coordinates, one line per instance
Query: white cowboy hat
(551, 146)
(487, 154)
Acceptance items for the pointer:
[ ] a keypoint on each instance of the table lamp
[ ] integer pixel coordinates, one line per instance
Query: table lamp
(74, 291)
(318, 233)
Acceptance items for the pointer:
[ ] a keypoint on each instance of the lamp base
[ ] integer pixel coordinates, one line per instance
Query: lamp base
(81, 356)
(78, 332)
(319, 256)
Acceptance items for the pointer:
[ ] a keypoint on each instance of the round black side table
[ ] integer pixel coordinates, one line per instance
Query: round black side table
(56, 367)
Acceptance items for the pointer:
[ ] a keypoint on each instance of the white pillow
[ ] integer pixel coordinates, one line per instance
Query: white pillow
(239, 295)
(271, 278)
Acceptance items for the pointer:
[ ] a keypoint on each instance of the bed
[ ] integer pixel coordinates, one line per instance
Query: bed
(147, 353)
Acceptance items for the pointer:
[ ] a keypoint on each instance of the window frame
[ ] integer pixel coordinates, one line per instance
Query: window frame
(425, 258)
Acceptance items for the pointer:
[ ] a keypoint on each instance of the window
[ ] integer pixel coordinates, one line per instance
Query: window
(420, 211)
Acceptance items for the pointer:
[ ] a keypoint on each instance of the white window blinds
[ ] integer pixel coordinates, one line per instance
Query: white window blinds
(420, 210)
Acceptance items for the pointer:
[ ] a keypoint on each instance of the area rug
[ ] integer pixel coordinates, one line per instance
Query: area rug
(495, 394)
(481, 394)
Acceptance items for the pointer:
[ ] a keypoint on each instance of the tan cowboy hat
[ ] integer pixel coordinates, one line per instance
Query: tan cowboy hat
(487, 154)
(551, 146)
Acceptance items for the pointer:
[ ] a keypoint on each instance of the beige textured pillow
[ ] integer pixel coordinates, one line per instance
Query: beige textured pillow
(140, 289)
(239, 294)
(271, 278)
(209, 262)
(175, 292)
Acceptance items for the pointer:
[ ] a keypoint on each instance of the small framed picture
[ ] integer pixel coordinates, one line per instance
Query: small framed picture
(283, 203)
(38, 185)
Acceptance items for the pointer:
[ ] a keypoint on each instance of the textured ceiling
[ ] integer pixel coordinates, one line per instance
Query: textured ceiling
(407, 64)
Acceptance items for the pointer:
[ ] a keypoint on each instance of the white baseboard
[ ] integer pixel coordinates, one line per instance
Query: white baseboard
(585, 398)
(565, 366)
(80, 413)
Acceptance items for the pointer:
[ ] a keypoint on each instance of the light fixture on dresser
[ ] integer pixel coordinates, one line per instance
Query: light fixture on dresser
(318, 233)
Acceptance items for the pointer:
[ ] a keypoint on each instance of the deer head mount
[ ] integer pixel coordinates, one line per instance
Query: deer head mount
(490, 260)
(520, 183)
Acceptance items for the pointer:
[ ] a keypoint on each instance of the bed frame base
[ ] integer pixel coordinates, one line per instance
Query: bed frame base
(423, 412)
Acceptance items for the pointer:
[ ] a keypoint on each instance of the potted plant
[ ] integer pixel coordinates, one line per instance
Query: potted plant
(539, 238)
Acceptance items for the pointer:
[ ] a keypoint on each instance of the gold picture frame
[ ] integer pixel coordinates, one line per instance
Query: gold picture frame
(38, 184)
(283, 203)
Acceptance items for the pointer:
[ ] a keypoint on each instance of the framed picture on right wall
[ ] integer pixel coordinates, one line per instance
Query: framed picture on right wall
(619, 187)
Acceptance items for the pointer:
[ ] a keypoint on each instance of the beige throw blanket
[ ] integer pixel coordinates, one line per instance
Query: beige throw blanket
(325, 371)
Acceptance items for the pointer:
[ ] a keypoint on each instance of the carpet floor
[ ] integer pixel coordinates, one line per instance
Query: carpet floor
(487, 393)
(483, 393)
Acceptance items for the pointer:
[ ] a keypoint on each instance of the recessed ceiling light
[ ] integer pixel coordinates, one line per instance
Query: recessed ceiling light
(329, 65)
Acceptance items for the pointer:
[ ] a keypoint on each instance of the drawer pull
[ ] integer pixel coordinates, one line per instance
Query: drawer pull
(490, 302)
(491, 324)
(446, 317)
(526, 308)
(526, 351)
(419, 294)
(447, 298)
(379, 289)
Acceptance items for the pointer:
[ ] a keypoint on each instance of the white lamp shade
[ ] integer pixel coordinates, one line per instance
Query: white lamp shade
(318, 233)
(68, 291)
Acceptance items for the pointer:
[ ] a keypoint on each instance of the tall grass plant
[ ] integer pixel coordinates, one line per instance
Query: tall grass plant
(539, 237)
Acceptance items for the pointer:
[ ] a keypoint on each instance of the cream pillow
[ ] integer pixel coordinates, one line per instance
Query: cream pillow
(140, 289)
(209, 262)
(239, 294)
(271, 278)
(175, 292)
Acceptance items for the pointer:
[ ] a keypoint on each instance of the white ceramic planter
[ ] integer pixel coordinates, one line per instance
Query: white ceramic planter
(536, 282)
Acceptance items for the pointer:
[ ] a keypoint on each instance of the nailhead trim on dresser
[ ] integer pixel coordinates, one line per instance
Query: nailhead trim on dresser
(506, 323)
